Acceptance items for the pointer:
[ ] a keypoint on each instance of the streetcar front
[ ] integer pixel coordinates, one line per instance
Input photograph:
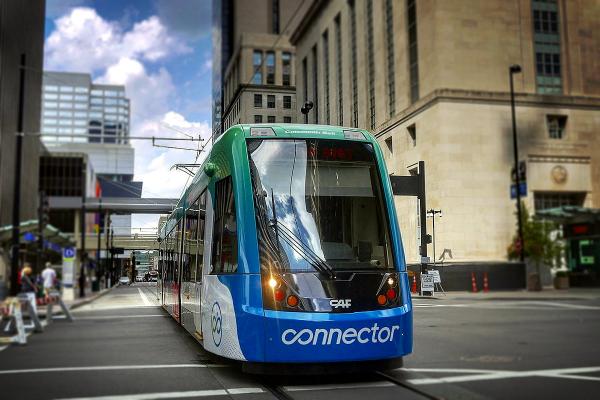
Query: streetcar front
(334, 285)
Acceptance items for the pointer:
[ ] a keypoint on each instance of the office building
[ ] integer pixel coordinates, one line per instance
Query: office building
(254, 73)
(22, 33)
(84, 117)
(430, 79)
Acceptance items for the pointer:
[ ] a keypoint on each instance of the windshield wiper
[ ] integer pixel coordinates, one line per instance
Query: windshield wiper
(298, 245)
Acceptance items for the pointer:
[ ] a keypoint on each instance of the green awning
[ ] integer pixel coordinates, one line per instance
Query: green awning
(51, 233)
(570, 214)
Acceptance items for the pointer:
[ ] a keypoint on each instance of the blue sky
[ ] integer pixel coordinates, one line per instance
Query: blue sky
(161, 51)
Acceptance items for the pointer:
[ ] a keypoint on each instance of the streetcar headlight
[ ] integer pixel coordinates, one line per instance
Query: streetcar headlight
(272, 283)
(390, 281)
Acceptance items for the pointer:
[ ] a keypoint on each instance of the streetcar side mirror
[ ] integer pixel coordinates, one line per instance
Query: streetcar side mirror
(210, 169)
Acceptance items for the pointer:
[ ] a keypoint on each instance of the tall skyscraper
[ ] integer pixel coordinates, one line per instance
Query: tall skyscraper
(83, 117)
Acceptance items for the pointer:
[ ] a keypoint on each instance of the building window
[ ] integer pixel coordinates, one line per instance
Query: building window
(258, 100)
(556, 126)
(271, 101)
(412, 134)
(275, 15)
(286, 66)
(389, 35)
(271, 119)
(258, 119)
(326, 76)
(270, 68)
(371, 64)
(340, 85)
(413, 56)
(546, 200)
(389, 145)
(287, 120)
(287, 102)
(257, 63)
(315, 84)
(354, 64)
(305, 78)
(546, 39)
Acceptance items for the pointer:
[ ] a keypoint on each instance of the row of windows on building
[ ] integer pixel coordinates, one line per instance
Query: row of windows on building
(390, 64)
(268, 76)
(52, 113)
(271, 119)
(83, 89)
(271, 101)
(85, 98)
(546, 44)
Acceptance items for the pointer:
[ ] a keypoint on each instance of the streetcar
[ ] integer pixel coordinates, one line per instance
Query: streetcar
(285, 250)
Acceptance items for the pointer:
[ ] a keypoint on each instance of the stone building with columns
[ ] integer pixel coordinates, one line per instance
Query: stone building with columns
(430, 79)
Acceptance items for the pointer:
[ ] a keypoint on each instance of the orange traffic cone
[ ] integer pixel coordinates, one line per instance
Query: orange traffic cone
(473, 283)
(413, 288)
(486, 286)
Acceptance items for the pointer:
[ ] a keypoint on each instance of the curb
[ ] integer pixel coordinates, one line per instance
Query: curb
(88, 300)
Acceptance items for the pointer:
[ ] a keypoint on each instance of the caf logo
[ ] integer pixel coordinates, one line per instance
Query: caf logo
(216, 324)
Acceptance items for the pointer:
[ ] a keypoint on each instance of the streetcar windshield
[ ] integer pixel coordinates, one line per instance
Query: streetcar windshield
(319, 205)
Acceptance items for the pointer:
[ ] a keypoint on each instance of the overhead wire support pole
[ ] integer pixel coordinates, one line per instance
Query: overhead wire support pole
(16, 211)
(82, 227)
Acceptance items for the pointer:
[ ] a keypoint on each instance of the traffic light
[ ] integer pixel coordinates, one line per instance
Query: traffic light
(522, 173)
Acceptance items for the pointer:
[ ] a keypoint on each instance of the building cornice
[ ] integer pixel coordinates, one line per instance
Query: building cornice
(308, 20)
(486, 97)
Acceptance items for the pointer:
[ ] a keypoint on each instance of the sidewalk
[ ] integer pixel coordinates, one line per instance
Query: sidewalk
(548, 294)
(78, 302)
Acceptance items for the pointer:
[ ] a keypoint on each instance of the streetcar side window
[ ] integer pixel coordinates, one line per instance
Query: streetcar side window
(224, 250)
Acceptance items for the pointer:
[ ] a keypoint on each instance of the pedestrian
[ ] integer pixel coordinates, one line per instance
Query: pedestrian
(28, 287)
(49, 278)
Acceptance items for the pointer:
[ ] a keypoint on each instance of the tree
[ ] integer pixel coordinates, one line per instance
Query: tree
(540, 245)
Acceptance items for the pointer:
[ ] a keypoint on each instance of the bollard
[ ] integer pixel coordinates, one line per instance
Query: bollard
(473, 283)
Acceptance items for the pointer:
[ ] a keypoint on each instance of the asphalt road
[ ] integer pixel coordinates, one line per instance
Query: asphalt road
(124, 346)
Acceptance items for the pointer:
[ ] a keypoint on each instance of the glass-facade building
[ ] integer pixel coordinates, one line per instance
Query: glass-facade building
(76, 110)
(79, 116)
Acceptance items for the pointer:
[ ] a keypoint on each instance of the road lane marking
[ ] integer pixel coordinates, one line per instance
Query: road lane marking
(105, 368)
(338, 386)
(144, 298)
(175, 395)
(116, 316)
(563, 373)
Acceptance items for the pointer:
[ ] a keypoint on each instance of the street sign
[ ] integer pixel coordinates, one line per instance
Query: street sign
(427, 284)
(68, 254)
(436, 275)
(522, 190)
(68, 266)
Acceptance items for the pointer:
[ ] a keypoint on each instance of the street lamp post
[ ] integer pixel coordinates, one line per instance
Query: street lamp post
(515, 69)
(308, 105)
(432, 213)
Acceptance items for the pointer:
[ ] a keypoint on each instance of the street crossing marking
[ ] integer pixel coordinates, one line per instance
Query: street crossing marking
(144, 298)
(105, 368)
(512, 305)
(175, 395)
(483, 375)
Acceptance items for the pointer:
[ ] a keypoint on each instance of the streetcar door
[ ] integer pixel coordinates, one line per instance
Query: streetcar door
(198, 252)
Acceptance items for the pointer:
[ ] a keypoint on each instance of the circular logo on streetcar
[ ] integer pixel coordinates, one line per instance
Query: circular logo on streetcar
(216, 324)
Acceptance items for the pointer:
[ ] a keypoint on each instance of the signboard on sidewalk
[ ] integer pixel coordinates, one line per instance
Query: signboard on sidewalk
(68, 266)
(436, 275)
(427, 284)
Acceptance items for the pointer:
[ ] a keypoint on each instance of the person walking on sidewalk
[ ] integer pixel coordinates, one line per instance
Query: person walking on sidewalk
(28, 287)
(49, 277)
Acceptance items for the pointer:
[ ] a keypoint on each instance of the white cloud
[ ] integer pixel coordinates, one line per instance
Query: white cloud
(149, 93)
(84, 41)
(153, 164)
